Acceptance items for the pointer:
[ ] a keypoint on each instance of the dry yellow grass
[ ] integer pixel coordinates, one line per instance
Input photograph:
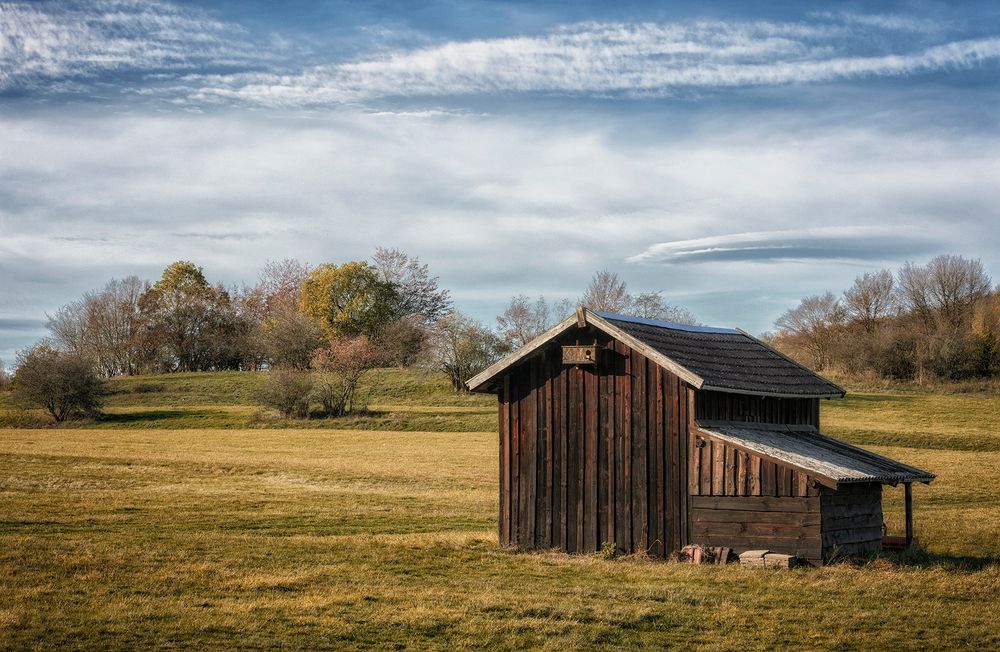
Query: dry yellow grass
(309, 538)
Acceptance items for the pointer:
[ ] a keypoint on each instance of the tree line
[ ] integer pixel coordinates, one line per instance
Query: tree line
(319, 329)
(940, 320)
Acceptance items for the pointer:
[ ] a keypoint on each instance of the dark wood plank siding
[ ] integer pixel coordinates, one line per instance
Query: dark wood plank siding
(720, 406)
(726, 471)
(787, 525)
(594, 455)
(852, 520)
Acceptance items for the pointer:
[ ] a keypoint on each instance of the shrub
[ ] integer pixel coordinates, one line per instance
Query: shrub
(287, 391)
(63, 383)
(342, 363)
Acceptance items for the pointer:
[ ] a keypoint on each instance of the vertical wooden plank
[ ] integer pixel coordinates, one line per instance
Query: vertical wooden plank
(640, 485)
(503, 534)
(573, 445)
(604, 443)
(705, 481)
(754, 473)
(669, 457)
(559, 452)
(718, 469)
(621, 458)
(545, 417)
(674, 430)
(531, 454)
(626, 501)
(731, 456)
(685, 434)
(581, 461)
(783, 476)
(742, 464)
(515, 462)
(694, 488)
(656, 441)
(591, 418)
(767, 483)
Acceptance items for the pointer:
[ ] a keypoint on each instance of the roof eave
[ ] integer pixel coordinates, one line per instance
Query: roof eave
(757, 392)
(841, 392)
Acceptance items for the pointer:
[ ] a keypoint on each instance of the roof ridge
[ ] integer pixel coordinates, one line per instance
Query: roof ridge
(665, 324)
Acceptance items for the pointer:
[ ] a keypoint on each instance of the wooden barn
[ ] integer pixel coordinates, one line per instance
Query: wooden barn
(648, 436)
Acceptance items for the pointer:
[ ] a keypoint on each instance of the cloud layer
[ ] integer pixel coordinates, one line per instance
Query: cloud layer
(47, 42)
(604, 59)
(184, 54)
(496, 206)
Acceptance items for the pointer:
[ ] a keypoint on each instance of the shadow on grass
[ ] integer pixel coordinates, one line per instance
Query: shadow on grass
(920, 558)
(145, 416)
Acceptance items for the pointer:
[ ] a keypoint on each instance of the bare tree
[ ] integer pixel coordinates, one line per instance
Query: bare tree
(946, 287)
(462, 347)
(607, 293)
(418, 290)
(4, 378)
(651, 305)
(523, 319)
(280, 283)
(812, 325)
(106, 326)
(871, 298)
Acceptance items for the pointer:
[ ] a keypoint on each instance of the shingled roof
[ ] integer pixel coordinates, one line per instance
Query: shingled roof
(722, 359)
(808, 450)
(726, 359)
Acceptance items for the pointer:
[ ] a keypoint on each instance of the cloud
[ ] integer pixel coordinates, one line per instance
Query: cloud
(11, 324)
(495, 204)
(849, 243)
(613, 59)
(44, 41)
(169, 52)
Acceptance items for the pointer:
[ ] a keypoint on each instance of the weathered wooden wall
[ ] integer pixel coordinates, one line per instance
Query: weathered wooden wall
(593, 454)
(787, 525)
(852, 520)
(720, 470)
(744, 501)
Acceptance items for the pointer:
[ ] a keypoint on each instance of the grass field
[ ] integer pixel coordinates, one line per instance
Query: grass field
(189, 518)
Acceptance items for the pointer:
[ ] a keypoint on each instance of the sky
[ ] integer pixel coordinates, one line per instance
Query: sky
(733, 156)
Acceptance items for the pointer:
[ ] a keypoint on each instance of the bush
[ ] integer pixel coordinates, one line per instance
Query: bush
(342, 363)
(63, 383)
(287, 391)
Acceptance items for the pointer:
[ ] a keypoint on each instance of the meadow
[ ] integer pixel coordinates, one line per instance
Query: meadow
(188, 517)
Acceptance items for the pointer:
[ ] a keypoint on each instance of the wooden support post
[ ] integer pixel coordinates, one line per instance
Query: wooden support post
(908, 499)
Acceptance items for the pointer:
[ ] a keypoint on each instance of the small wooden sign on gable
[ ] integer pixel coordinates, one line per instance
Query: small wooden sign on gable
(576, 354)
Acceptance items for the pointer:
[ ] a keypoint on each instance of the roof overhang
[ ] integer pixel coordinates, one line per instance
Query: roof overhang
(830, 461)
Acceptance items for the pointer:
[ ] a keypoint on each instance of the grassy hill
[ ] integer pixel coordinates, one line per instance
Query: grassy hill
(188, 517)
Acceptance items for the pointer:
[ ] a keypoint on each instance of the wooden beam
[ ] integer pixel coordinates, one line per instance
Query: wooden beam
(908, 500)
